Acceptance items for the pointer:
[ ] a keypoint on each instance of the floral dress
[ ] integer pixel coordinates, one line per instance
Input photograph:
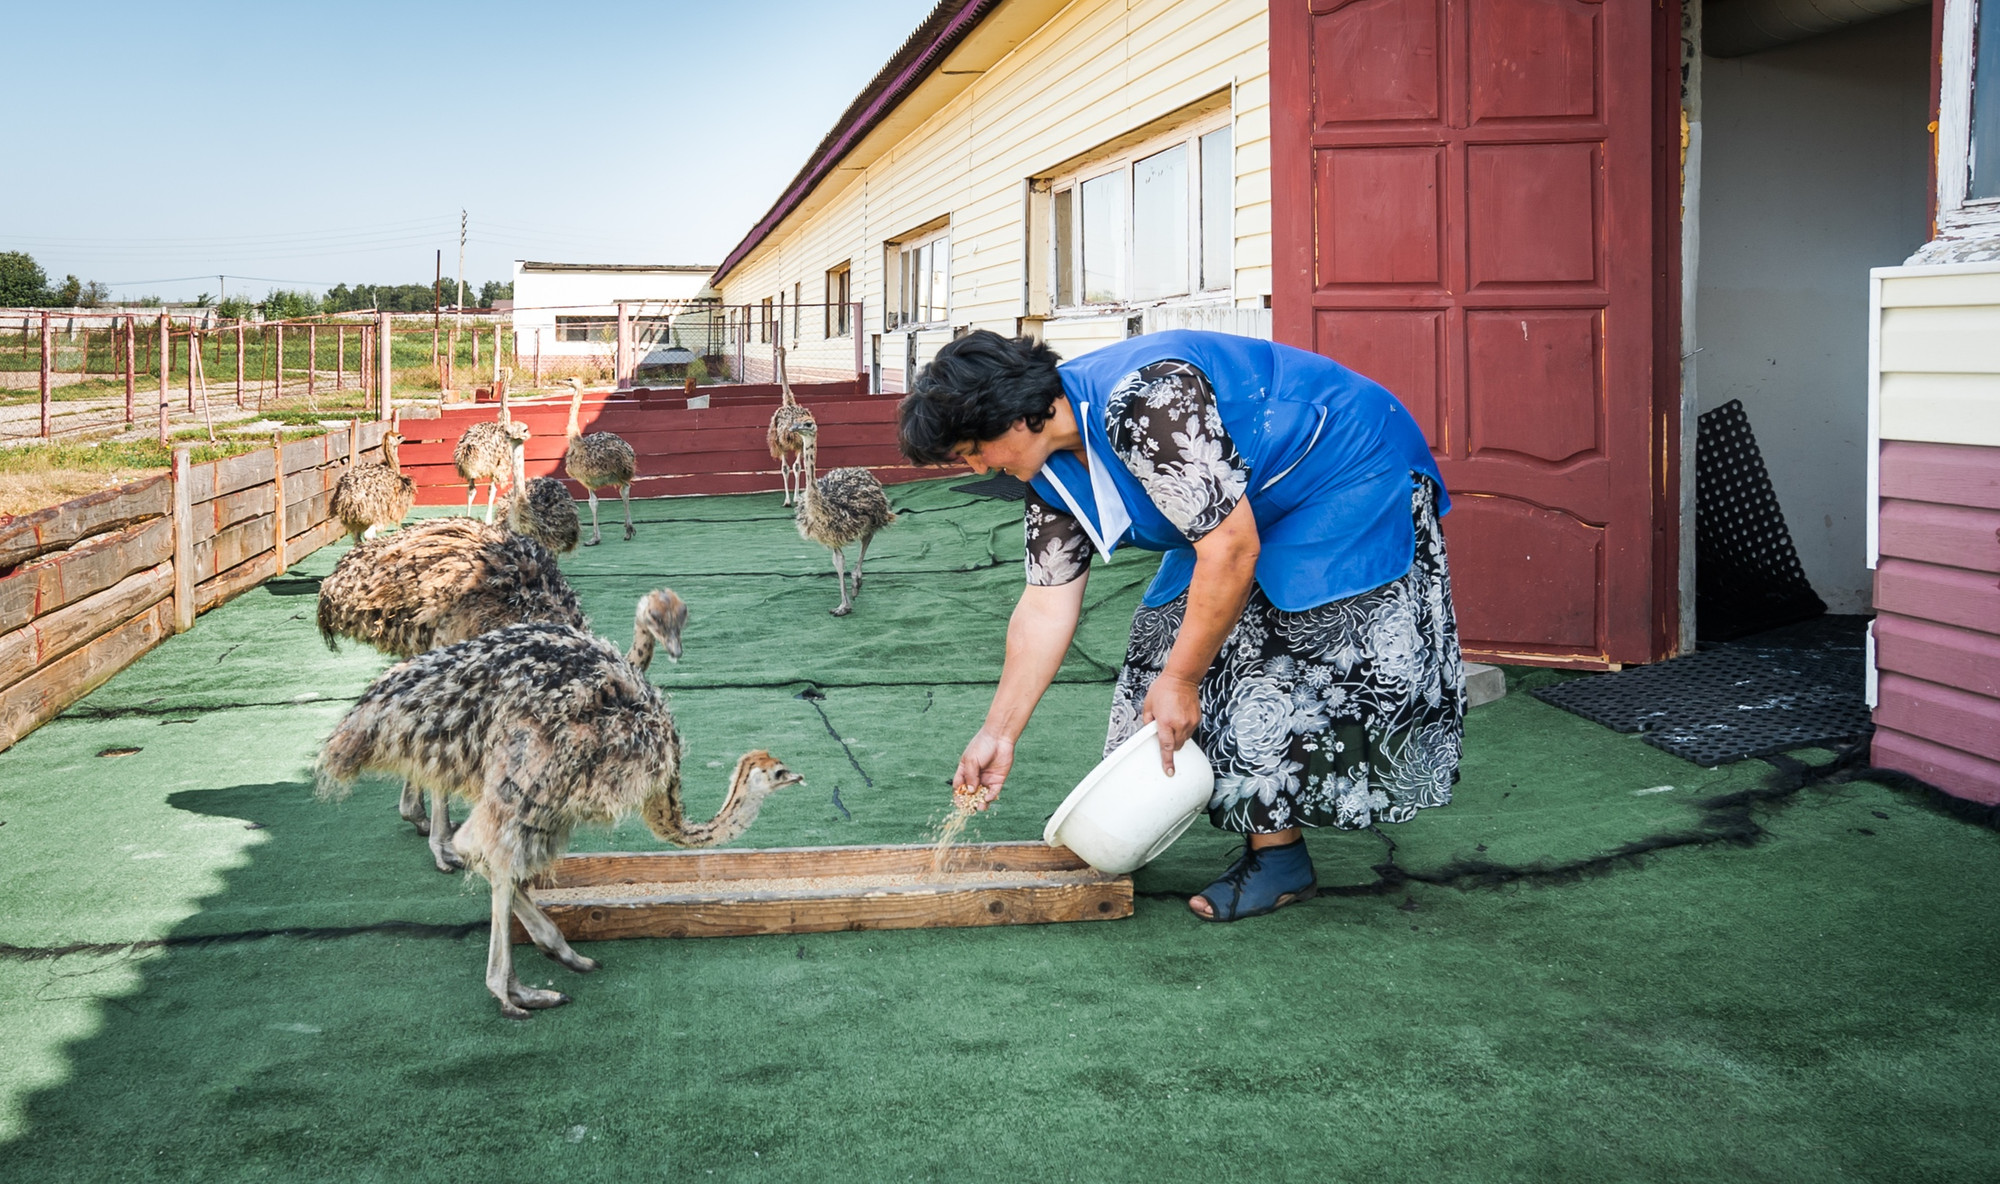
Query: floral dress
(1344, 715)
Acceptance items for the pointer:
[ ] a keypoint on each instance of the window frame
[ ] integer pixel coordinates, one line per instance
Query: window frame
(839, 298)
(1066, 190)
(897, 254)
(1959, 214)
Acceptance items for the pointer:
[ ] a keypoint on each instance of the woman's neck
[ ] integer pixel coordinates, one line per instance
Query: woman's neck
(1062, 430)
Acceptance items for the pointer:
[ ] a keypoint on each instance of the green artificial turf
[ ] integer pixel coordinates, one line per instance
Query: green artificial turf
(202, 980)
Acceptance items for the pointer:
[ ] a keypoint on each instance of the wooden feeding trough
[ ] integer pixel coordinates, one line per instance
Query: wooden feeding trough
(822, 889)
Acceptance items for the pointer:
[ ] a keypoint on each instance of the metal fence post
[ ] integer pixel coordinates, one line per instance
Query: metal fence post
(385, 361)
(496, 352)
(312, 361)
(194, 347)
(48, 364)
(621, 362)
(131, 362)
(278, 376)
(860, 361)
(239, 362)
(340, 357)
(165, 367)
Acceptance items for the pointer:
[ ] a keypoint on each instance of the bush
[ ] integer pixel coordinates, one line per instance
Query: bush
(23, 283)
(281, 305)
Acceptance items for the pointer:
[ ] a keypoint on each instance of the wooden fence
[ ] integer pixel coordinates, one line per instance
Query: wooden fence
(88, 586)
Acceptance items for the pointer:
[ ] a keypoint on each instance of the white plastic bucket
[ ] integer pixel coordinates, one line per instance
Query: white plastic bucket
(1127, 811)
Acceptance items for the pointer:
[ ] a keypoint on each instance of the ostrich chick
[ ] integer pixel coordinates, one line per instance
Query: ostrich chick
(596, 460)
(790, 424)
(844, 506)
(543, 510)
(435, 583)
(543, 727)
(486, 452)
(370, 497)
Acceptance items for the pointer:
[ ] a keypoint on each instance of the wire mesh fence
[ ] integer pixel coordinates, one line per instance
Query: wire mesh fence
(80, 373)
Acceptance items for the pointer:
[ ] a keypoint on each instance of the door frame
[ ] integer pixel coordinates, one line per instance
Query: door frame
(1293, 228)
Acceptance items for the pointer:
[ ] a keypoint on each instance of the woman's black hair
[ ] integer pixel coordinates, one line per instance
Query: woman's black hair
(975, 389)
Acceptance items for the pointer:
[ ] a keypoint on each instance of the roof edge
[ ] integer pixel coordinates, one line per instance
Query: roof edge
(940, 33)
(531, 265)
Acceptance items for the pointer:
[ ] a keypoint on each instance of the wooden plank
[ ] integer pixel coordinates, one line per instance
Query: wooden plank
(233, 581)
(48, 584)
(232, 547)
(671, 867)
(183, 541)
(240, 472)
(1938, 653)
(278, 484)
(326, 531)
(52, 529)
(34, 700)
(1944, 715)
(221, 513)
(1029, 888)
(1948, 474)
(312, 452)
(1955, 772)
(1953, 536)
(48, 638)
(1948, 595)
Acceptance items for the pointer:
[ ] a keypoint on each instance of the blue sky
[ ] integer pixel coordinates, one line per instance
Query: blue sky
(303, 145)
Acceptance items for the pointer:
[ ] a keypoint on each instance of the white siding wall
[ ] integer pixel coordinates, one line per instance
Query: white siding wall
(1095, 71)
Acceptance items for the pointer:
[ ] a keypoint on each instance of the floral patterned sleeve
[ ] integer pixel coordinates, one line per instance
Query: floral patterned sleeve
(1165, 427)
(1058, 549)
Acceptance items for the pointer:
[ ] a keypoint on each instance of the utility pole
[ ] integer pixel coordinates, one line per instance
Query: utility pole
(458, 309)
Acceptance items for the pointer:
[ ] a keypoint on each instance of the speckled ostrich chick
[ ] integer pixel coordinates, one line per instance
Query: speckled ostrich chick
(785, 437)
(370, 497)
(543, 510)
(487, 452)
(845, 506)
(435, 583)
(597, 460)
(543, 727)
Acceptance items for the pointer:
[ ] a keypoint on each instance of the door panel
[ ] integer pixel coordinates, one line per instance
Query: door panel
(1466, 199)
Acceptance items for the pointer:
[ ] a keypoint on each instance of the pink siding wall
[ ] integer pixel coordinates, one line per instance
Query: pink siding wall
(1937, 629)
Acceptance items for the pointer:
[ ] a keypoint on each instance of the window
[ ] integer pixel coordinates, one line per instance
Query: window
(839, 290)
(764, 325)
(1983, 164)
(1155, 222)
(586, 329)
(922, 287)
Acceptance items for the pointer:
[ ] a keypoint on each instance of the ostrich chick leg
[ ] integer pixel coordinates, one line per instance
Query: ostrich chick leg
(515, 999)
(547, 938)
(492, 489)
(471, 488)
(840, 574)
(625, 495)
(411, 807)
(447, 858)
(595, 536)
(859, 560)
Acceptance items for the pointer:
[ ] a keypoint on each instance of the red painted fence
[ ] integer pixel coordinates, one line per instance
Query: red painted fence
(715, 449)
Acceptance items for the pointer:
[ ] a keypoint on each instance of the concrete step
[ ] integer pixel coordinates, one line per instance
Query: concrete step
(1483, 684)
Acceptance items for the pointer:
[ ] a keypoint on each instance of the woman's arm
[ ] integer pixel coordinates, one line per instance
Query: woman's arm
(1038, 635)
(1225, 567)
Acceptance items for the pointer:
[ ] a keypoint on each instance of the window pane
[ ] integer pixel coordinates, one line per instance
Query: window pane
(1160, 224)
(1103, 237)
(939, 284)
(1985, 179)
(1218, 209)
(1065, 251)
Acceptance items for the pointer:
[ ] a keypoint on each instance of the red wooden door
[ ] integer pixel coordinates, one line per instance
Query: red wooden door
(1468, 209)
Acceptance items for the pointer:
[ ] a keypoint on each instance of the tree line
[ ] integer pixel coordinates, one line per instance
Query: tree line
(23, 284)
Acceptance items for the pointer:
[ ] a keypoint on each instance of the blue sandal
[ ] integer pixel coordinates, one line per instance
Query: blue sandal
(1262, 881)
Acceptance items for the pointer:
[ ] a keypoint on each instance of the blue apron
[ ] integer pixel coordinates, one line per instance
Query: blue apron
(1330, 455)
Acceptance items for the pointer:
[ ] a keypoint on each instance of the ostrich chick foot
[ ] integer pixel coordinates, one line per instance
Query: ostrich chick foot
(533, 998)
(572, 959)
(842, 610)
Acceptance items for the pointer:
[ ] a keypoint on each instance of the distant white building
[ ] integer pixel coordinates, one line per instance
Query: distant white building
(566, 314)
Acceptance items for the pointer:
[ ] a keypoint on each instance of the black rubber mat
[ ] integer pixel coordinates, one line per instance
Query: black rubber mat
(1787, 688)
(1747, 573)
(1002, 486)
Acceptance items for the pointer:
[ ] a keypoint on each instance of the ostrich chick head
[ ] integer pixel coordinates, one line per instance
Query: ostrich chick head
(764, 774)
(660, 617)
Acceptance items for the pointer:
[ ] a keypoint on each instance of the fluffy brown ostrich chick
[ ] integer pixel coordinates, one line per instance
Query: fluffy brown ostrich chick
(790, 424)
(542, 727)
(597, 460)
(370, 497)
(441, 581)
(845, 506)
(487, 452)
(543, 510)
